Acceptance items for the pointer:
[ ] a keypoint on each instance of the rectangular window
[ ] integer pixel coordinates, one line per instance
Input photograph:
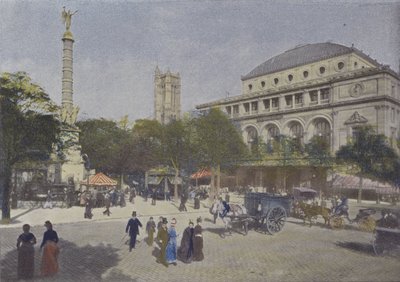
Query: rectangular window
(289, 100)
(228, 110)
(392, 115)
(254, 106)
(266, 104)
(313, 96)
(246, 107)
(325, 94)
(236, 109)
(275, 102)
(298, 99)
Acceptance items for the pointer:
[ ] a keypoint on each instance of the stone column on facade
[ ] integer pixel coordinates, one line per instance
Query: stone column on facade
(281, 103)
(319, 96)
(334, 130)
(381, 118)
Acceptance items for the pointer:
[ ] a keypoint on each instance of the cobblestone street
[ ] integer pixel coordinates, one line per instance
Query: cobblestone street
(95, 250)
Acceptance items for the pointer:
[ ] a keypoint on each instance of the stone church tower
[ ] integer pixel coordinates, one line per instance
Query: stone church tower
(167, 96)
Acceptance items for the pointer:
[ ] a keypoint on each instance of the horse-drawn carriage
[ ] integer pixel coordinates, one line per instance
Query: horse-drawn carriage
(268, 212)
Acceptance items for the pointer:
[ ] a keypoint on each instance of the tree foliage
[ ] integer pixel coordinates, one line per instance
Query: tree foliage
(28, 123)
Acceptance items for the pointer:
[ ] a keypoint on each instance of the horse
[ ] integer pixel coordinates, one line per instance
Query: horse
(235, 210)
(311, 211)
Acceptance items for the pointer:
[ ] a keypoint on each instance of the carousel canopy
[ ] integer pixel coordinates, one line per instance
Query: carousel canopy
(100, 179)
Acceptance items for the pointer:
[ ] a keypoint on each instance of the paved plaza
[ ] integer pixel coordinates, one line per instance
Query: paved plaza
(95, 250)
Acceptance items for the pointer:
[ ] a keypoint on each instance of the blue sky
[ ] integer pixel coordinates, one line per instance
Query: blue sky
(210, 43)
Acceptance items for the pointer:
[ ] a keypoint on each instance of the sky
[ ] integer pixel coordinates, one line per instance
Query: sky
(118, 44)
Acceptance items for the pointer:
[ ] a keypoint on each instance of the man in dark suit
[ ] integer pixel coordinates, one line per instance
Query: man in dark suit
(133, 228)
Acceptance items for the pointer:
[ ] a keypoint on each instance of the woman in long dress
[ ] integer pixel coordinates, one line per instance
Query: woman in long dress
(50, 251)
(150, 229)
(185, 251)
(198, 242)
(26, 253)
(171, 247)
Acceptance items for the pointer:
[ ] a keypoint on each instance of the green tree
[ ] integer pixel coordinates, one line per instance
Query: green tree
(371, 155)
(219, 143)
(29, 127)
(178, 147)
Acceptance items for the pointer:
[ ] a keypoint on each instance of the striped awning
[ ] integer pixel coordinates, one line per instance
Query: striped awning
(100, 179)
(203, 173)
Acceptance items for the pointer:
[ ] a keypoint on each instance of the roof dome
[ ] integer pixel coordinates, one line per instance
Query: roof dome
(300, 55)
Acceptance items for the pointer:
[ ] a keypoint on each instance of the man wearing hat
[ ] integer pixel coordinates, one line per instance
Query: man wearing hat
(133, 228)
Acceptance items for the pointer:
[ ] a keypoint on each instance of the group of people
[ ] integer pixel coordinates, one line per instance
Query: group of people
(191, 247)
(26, 252)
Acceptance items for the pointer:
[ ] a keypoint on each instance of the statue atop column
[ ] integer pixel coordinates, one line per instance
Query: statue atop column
(66, 17)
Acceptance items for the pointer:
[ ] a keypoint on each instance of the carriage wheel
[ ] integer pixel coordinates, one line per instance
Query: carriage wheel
(275, 219)
(378, 247)
(337, 222)
(367, 224)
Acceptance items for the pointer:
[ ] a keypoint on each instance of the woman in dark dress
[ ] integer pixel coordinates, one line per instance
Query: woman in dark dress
(198, 242)
(26, 253)
(50, 251)
(185, 251)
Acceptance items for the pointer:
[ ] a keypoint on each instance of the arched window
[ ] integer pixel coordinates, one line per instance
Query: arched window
(322, 129)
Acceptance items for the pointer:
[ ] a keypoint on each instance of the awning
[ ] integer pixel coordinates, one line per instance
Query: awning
(100, 179)
(203, 173)
(304, 189)
(344, 181)
(172, 180)
(154, 180)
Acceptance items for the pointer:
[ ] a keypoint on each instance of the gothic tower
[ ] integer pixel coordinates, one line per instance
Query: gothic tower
(167, 96)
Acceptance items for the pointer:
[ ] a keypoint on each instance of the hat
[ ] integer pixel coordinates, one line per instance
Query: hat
(190, 222)
(173, 221)
(151, 217)
(133, 213)
(164, 220)
(199, 219)
(47, 222)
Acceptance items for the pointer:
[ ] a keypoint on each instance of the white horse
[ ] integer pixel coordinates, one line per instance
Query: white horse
(228, 217)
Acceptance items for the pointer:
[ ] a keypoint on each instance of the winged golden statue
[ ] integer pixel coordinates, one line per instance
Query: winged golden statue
(66, 17)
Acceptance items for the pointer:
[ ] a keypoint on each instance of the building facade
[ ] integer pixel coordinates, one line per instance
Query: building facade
(322, 89)
(167, 96)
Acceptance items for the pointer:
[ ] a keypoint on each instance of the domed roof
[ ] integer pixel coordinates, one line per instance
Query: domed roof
(301, 55)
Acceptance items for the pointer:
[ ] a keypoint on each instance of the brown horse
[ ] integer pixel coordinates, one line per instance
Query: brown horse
(311, 211)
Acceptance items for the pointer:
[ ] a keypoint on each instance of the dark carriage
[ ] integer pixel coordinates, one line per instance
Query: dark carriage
(269, 210)
(387, 232)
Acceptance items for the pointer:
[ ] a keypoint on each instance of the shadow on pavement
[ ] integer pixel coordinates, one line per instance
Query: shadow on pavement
(86, 263)
(362, 248)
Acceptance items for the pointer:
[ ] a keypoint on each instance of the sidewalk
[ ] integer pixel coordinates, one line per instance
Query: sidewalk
(38, 215)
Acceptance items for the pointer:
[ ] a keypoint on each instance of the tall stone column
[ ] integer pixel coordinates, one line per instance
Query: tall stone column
(67, 72)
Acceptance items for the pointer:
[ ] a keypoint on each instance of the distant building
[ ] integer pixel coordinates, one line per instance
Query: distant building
(167, 96)
(322, 89)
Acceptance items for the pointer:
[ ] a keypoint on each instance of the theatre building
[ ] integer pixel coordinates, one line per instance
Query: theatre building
(322, 89)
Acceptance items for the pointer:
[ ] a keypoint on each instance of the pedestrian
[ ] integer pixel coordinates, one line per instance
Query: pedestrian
(48, 203)
(50, 251)
(197, 202)
(132, 195)
(82, 200)
(160, 223)
(94, 198)
(171, 247)
(150, 229)
(168, 195)
(182, 206)
(185, 251)
(107, 201)
(198, 242)
(88, 208)
(133, 228)
(122, 202)
(162, 238)
(26, 253)
(154, 198)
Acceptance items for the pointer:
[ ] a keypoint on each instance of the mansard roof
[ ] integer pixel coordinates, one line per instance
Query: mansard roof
(302, 55)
